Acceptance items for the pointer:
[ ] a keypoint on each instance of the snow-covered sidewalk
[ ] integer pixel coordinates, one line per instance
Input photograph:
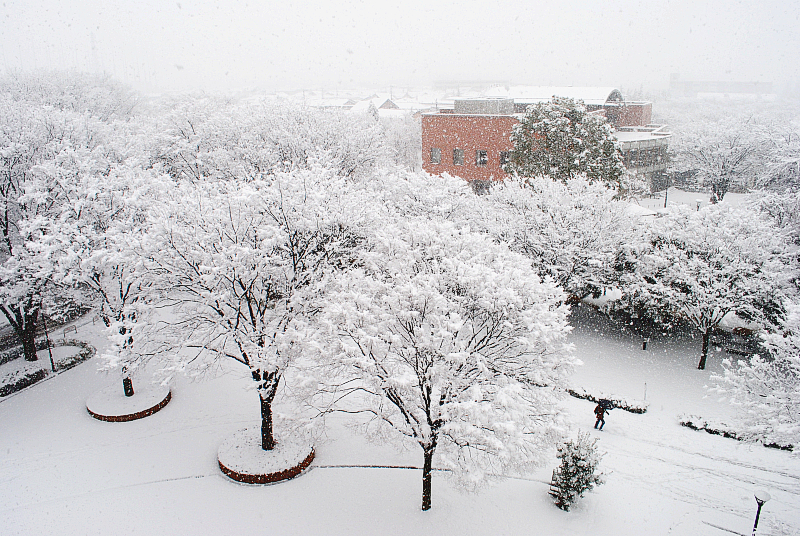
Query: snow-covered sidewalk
(62, 472)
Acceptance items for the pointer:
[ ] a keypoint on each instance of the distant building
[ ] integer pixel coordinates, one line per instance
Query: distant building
(472, 139)
(694, 88)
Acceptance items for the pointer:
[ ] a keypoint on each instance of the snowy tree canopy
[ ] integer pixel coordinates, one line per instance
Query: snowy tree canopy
(452, 341)
(571, 230)
(702, 265)
(235, 261)
(560, 139)
(212, 138)
(722, 155)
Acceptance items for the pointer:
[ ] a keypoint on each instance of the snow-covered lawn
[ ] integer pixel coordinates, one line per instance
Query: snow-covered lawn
(62, 472)
(689, 198)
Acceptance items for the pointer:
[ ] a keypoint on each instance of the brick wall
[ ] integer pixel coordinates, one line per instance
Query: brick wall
(634, 114)
(471, 133)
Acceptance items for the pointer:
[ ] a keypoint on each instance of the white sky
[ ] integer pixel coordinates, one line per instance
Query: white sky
(211, 45)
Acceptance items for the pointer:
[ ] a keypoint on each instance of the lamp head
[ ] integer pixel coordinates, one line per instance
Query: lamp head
(762, 497)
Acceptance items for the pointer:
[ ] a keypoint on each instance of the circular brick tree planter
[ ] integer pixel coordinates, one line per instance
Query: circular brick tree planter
(242, 459)
(111, 404)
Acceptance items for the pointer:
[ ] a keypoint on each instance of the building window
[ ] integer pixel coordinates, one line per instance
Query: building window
(505, 158)
(436, 155)
(481, 157)
(458, 157)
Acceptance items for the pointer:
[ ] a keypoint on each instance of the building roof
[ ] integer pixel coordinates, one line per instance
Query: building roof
(650, 135)
(534, 94)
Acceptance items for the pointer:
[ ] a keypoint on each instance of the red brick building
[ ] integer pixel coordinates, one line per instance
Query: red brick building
(473, 139)
(472, 146)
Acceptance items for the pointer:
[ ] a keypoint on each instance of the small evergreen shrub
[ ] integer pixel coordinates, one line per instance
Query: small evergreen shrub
(577, 472)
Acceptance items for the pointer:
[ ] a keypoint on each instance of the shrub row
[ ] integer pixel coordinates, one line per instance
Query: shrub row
(86, 352)
(621, 403)
(695, 422)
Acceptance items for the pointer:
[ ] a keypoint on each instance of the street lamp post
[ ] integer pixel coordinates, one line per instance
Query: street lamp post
(761, 498)
(49, 346)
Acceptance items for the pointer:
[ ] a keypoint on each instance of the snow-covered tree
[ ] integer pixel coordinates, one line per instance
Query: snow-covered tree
(29, 137)
(449, 341)
(766, 389)
(781, 145)
(702, 265)
(235, 264)
(98, 96)
(212, 138)
(102, 223)
(722, 155)
(560, 139)
(578, 471)
(571, 230)
(51, 136)
(404, 141)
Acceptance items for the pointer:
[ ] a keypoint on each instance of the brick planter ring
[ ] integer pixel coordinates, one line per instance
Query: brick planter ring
(270, 478)
(242, 459)
(111, 405)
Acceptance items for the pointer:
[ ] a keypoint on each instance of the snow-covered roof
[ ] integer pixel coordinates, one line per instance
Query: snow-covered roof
(643, 136)
(379, 102)
(534, 94)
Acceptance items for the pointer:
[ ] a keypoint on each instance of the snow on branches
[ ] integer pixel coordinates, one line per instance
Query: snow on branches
(702, 265)
(578, 472)
(766, 389)
(450, 340)
(237, 263)
(560, 139)
(571, 230)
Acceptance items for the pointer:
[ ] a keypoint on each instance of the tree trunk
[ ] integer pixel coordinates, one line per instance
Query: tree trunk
(27, 335)
(127, 386)
(23, 318)
(426, 477)
(267, 387)
(267, 437)
(704, 355)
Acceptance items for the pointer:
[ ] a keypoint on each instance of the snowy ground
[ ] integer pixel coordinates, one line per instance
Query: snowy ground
(688, 198)
(62, 472)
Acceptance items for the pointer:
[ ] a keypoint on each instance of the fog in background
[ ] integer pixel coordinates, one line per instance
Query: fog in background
(208, 45)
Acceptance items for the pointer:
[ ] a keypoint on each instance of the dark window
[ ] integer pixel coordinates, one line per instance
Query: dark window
(436, 155)
(505, 157)
(458, 157)
(481, 158)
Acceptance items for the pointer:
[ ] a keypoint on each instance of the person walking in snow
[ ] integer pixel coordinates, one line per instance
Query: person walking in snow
(600, 412)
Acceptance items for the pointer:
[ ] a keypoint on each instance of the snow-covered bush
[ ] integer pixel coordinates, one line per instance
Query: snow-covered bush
(578, 472)
(632, 406)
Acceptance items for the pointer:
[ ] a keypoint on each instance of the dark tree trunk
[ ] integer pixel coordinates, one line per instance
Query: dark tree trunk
(426, 477)
(704, 355)
(24, 324)
(127, 383)
(267, 387)
(127, 386)
(27, 336)
(267, 436)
